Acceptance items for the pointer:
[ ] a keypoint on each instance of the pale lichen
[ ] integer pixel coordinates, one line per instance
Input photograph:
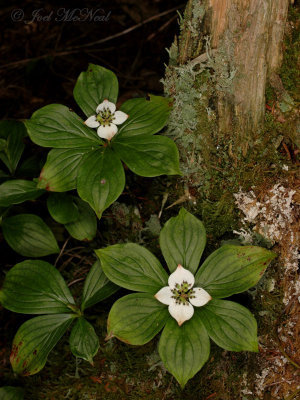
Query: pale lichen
(274, 214)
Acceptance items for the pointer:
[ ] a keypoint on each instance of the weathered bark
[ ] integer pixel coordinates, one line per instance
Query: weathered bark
(248, 34)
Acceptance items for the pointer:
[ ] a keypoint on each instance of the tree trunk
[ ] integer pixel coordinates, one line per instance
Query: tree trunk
(248, 35)
(235, 177)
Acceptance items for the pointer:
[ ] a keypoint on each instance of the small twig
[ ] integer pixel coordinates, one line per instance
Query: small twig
(76, 49)
(75, 281)
(78, 361)
(163, 203)
(287, 150)
(186, 197)
(211, 396)
(62, 267)
(164, 26)
(293, 395)
(61, 251)
(128, 30)
(286, 310)
(76, 256)
(294, 363)
(75, 248)
(275, 383)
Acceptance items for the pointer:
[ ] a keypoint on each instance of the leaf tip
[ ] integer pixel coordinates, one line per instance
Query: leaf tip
(181, 380)
(273, 255)
(182, 211)
(99, 213)
(254, 346)
(91, 361)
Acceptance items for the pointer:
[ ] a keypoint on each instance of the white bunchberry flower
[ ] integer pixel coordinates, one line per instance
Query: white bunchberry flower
(180, 295)
(106, 120)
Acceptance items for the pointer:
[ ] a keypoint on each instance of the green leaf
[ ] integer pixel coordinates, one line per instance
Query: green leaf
(136, 318)
(182, 241)
(11, 126)
(14, 133)
(85, 227)
(230, 325)
(145, 116)
(148, 155)
(96, 287)
(184, 349)
(57, 126)
(100, 179)
(62, 208)
(133, 267)
(29, 236)
(35, 287)
(84, 342)
(18, 191)
(60, 171)
(30, 167)
(233, 269)
(11, 393)
(94, 86)
(34, 341)
(3, 144)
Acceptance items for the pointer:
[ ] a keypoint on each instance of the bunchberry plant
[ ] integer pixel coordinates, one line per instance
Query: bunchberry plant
(36, 287)
(30, 236)
(26, 233)
(187, 305)
(15, 189)
(88, 155)
(12, 134)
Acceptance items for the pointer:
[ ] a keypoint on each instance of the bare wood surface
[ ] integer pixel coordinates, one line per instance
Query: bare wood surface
(251, 33)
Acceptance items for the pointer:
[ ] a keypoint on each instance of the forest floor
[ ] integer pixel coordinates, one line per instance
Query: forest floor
(40, 64)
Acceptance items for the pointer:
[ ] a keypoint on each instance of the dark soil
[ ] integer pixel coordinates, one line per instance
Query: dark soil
(44, 48)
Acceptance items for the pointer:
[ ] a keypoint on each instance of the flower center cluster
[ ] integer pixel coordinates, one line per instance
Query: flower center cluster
(105, 117)
(182, 293)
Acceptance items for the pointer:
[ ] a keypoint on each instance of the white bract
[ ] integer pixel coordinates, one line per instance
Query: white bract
(106, 120)
(181, 296)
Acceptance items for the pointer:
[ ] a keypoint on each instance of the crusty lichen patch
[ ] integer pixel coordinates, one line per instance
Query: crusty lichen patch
(275, 216)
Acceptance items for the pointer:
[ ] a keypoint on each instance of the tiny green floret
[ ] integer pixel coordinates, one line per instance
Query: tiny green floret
(106, 120)
(182, 293)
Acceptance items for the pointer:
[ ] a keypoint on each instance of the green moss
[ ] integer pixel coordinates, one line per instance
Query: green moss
(289, 71)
